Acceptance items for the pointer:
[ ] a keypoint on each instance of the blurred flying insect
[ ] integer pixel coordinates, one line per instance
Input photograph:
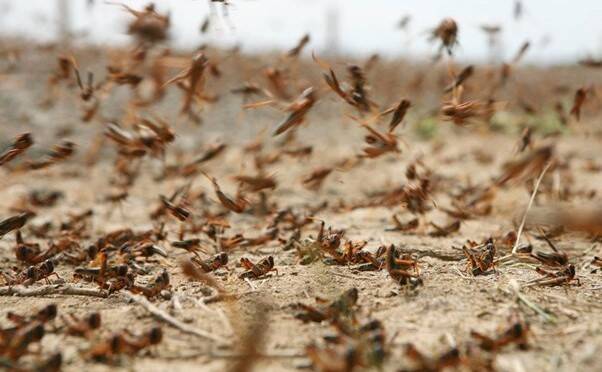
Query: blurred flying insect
(213, 263)
(314, 180)
(399, 112)
(298, 110)
(237, 205)
(294, 52)
(18, 147)
(194, 76)
(578, 101)
(447, 33)
(13, 223)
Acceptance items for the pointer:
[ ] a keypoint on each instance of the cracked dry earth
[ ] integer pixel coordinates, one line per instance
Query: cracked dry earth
(443, 311)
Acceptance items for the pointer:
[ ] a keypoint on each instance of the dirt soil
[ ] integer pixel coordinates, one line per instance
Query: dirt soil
(433, 316)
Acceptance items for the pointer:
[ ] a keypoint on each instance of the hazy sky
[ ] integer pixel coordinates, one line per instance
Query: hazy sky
(560, 30)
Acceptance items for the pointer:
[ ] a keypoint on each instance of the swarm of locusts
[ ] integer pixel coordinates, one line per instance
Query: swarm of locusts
(136, 205)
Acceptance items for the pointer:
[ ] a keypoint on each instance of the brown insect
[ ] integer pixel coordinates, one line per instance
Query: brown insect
(213, 263)
(450, 228)
(403, 226)
(301, 152)
(81, 255)
(582, 218)
(143, 248)
(298, 109)
(81, 327)
(399, 112)
(190, 245)
(398, 274)
(44, 197)
(194, 75)
(277, 82)
(563, 276)
(44, 315)
(77, 220)
(506, 68)
(330, 240)
(136, 343)
(490, 29)
(578, 101)
(555, 258)
(18, 147)
(106, 350)
(449, 359)
(117, 196)
(161, 209)
(255, 271)
(447, 33)
(357, 95)
(480, 258)
(316, 178)
(31, 274)
(517, 333)
(148, 24)
(17, 346)
(256, 183)
(332, 359)
(59, 152)
(32, 254)
(179, 211)
(160, 283)
(247, 90)
(460, 79)
(525, 140)
(344, 305)
(521, 52)
(227, 243)
(294, 52)
(468, 112)
(205, 25)
(528, 166)
(87, 89)
(13, 223)
(51, 364)
(107, 277)
(379, 143)
(333, 83)
(212, 152)
(192, 271)
(237, 205)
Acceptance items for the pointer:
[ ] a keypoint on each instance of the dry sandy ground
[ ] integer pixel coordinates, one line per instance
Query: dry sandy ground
(445, 309)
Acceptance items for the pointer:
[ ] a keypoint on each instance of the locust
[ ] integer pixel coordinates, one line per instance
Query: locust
(211, 264)
(13, 223)
(517, 333)
(397, 273)
(344, 305)
(258, 270)
(18, 147)
(82, 327)
(298, 110)
(480, 260)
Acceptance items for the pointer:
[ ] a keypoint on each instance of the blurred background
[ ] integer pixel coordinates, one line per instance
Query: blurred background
(559, 31)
